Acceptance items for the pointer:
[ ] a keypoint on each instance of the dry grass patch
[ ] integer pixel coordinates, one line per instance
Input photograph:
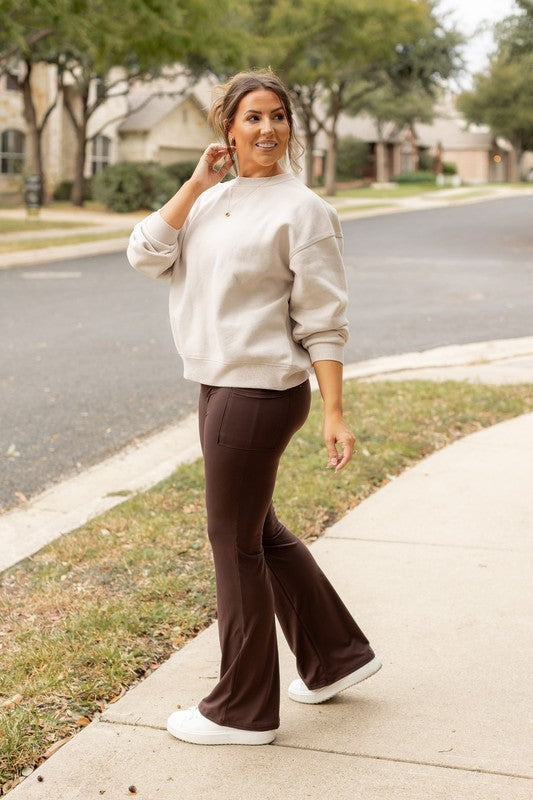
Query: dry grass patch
(9, 225)
(56, 241)
(94, 612)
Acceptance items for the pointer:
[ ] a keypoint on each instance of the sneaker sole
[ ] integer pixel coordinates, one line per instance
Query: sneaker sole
(224, 737)
(364, 672)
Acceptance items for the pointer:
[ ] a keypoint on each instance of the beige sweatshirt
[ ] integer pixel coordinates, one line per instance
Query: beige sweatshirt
(257, 296)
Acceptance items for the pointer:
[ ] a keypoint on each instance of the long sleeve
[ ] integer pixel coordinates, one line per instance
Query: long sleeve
(319, 299)
(154, 246)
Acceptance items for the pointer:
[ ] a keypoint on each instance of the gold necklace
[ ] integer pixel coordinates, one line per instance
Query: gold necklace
(228, 209)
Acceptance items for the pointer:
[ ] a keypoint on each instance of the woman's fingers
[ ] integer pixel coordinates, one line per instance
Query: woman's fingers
(216, 151)
(339, 436)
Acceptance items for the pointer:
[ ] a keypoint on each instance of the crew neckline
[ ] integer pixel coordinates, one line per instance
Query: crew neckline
(270, 180)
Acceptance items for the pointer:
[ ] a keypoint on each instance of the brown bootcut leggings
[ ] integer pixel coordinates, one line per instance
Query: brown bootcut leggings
(261, 567)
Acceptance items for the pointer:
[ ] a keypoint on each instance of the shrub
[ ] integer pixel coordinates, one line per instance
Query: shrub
(181, 171)
(448, 168)
(63, 190)
(425, 161)
(352, 157)
(130, 186)
(420, 176)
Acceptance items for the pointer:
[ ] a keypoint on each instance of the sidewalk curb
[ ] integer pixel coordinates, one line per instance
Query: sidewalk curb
(76, 500)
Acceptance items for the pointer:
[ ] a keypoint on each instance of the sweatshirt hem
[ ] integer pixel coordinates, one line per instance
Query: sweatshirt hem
(251, 376)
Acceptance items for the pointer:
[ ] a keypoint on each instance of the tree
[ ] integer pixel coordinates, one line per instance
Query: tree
(28, 37)
(140, 37)
(88, 40)
(410, 85)
(335, 53)
(503, 97)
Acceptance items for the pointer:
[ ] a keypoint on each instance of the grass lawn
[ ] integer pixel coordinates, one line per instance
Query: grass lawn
(56, 241)
(364, 207)
(402, 190)
(21, 225)
(95, 611)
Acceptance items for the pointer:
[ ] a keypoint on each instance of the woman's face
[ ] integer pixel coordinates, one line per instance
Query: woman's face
(261, 132)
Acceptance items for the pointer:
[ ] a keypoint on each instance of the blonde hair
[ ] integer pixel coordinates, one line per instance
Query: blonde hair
(230, 94)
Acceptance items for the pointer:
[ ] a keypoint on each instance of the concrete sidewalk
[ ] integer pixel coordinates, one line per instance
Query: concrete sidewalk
(433, 566)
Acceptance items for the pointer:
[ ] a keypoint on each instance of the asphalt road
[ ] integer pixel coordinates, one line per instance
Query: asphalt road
(87, 363)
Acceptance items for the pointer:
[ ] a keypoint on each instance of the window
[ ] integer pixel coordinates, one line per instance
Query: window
(12, 82)
(101, 146)
(11, 152)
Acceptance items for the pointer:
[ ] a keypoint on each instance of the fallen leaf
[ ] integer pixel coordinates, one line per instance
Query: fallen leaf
(12, 701)
(83, 721)
(55, 747)
(121, 694)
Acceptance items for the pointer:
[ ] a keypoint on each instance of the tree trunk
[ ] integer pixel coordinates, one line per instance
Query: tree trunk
(34, 161)
(515, 157)
(381, 166)
(309, 158)
(79, 123)
(331, 162)
(381, 170)
(77, 195)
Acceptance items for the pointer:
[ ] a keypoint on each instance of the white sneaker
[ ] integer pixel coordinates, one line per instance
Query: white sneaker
(298, 690)
(191, 726)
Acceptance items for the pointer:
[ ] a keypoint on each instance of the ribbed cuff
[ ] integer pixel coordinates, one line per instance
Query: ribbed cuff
(323, 351)
(156, 227)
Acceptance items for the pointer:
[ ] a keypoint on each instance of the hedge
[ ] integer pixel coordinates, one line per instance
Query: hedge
(130, 186)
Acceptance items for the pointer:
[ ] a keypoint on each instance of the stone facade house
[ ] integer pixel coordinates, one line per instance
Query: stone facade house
(165, 122)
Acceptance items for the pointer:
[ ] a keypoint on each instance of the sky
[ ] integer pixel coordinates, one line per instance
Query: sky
(468, 14)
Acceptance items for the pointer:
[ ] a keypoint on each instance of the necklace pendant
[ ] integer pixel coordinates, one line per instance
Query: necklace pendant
(228, 213)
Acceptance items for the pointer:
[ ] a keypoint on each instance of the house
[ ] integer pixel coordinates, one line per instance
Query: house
(165, 121)
(477, 155)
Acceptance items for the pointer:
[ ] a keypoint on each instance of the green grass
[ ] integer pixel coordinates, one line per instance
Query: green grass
(402, 190)
(22, 225)
(56, 241)
(92, 613)
(364, 207)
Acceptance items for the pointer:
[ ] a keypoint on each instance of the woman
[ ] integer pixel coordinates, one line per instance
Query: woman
(257, 296)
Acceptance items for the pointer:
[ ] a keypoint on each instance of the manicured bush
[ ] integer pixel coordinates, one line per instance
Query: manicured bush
(448, 168)
(420, 176)
(352, 156)
(130, 186)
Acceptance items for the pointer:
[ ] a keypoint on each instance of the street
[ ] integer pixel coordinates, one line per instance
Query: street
(88, 364)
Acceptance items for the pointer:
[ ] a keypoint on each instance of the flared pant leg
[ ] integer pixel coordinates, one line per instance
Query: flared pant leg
(322, 634)
(261, 568)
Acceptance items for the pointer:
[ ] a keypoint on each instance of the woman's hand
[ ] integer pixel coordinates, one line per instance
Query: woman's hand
(205, 175)
(336, 432)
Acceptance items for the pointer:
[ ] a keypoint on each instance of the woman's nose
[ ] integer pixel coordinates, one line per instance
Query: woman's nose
(266, 125)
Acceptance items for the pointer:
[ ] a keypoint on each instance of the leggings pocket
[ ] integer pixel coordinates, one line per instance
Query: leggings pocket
(254, 419)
